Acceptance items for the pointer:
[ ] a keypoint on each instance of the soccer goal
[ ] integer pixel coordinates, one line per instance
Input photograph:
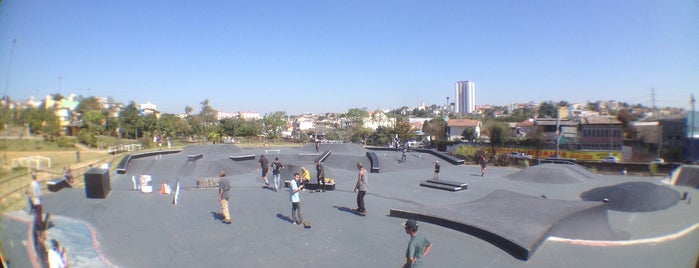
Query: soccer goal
(36, 162)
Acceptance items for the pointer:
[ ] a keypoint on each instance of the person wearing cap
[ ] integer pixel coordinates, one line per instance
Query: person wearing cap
(418, 247)
(224, 188)
(362, 183)
(436, 170)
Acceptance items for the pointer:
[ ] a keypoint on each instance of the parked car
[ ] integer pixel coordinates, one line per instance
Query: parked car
(658, 161)
(519, 155)
(610, 159)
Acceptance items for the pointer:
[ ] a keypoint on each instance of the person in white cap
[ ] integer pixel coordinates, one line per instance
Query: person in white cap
(418, 247)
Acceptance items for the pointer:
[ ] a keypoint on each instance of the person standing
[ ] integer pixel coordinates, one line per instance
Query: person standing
(224, 188)
(483, 164)
(436, 170)
(362, 183)
(320, 176)
(36, 202)
(295, 197)
(402, 157)
(276, 172)
(264, 165)
(418, 247)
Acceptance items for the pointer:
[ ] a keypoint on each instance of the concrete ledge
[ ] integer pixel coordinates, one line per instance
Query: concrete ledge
(314, 186)
(207, 182)
(57, 184)
(374, 160)
(193, 157)
(242, 157)
(450, 183)
(441, 186)
(124, 163)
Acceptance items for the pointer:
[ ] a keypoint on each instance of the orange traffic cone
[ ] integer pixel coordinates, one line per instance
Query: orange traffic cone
(162, 188)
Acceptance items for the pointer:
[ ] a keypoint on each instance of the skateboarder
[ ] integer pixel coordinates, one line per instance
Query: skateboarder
(320, 176)
(362, 183)
(276, 172)
(436, 170)
(402, 157)
(418, 247)
(264, 165)
(35, 195)
(224, 188)
(295, 198)
(483, 164)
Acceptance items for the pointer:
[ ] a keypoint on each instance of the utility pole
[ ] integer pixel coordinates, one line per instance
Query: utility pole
(652, 97)
(691, 146)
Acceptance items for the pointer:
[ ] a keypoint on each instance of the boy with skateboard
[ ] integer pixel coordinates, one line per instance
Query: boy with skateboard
(295, 198)
(362, 183)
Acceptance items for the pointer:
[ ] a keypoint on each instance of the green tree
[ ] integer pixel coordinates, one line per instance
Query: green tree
(361, 134)
(436, 128)
(94, 120)
(87, 105)
(546, 109)
(172, 126)
(469, 134)
(356, 116)
(275, 123)
(499, 134)
(382, 136)
(403, 130)
(130, 121)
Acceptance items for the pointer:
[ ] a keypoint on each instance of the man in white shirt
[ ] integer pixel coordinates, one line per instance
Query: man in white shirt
(36, 201)
(57, 255)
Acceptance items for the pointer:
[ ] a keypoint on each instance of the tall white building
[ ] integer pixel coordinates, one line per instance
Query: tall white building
(465, 97)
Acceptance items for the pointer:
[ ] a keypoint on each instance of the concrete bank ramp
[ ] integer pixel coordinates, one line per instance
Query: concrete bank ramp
(687, 175)
(553, 174)
(518, 223)
(634, 196)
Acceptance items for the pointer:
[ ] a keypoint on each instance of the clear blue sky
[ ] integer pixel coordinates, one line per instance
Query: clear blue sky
(329, 56)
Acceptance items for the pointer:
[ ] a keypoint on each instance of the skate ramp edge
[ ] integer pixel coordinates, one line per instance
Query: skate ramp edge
(688, 176)
(514, 222)
(124, 163)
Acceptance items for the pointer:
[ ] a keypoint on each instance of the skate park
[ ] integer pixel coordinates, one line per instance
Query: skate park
(550, 215)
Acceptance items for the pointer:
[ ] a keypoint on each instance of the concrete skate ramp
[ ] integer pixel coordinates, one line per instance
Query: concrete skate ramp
(689, 176)
(518, 223)
(345, 148)
(634, 196)
(552, 174)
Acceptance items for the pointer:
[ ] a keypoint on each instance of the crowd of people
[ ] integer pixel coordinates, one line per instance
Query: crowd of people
(418, 246)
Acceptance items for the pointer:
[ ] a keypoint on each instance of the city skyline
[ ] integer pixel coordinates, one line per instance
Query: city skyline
(329, 57)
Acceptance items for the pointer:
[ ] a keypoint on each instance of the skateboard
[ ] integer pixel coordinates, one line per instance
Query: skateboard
(359, 213)
(306, 224)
